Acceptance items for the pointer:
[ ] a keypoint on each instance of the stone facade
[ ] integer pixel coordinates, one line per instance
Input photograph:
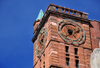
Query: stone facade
(54, 54)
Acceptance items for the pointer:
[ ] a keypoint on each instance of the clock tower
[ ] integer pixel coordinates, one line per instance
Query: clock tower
(64, 38)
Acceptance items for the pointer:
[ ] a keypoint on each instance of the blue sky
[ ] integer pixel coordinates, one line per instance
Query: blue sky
(16, 27)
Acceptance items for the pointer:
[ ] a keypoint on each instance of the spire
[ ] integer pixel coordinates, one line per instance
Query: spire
(40, 15)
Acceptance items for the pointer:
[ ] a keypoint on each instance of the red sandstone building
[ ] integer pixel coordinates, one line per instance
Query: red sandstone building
(64, 38)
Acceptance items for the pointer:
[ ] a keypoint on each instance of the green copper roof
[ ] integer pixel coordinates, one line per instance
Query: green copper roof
(40, 15)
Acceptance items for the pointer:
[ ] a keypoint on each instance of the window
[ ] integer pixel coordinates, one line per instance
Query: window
(77, 63)
(67, 61)
(66, 48)
(76, 51)
(40, 60)
(67, 54)
(44, 62)
(44, 66)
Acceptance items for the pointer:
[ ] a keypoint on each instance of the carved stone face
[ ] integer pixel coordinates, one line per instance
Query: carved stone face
(71, 31)
(41, 41)
(95, 58)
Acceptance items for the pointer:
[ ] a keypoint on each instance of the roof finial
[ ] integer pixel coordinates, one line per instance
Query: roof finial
(40, 15)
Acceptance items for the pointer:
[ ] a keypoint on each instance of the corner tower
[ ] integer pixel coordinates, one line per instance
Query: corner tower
(63, 38)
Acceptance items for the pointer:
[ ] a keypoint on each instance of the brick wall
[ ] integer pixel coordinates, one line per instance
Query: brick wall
(95, 34)
(54, 51)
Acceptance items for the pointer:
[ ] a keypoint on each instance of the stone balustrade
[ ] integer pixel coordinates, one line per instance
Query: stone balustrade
(67, 11)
